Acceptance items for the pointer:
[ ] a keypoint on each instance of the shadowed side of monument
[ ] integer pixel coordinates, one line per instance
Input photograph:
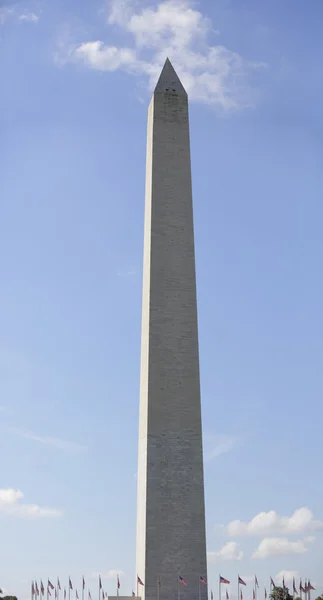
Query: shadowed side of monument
(170, 506)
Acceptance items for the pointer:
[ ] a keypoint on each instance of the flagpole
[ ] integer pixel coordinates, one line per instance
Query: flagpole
(157, 591)
(199, 587)
(178, 590)
(238, 586)
(219, 587)
(255, 588)
(69, 588)
(137, 586)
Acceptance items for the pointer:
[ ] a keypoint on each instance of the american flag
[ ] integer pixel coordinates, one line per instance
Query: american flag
(100, 583)
(76, 595)
(256, 582)
(50, 585)
(90, 597)
(32, 588)
(223, 580)
(294, 586)
(253, 594)
(202, 580)
(83, 583)
(42, 589)
(70, 584)
(182, 580)
(64, 593)
(139, 580)
(240, 581)
(58, 584)
(272, 582)
(265, 594)
(118, 582)
(301, 588)
(133, 593)
(241, 595)
(309, 586)
(36, 589)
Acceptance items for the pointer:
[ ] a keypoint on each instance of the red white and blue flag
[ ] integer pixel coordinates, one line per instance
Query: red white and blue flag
(182, 581)
(118, 582)
(58, 584)
(202, 580)
(83, 583)
(139, 580)
(294, 586)
(272, 582)
(223, 580)
(256, 582)
(240, 581)
(50, 585)
(309, 586)
(42, 590)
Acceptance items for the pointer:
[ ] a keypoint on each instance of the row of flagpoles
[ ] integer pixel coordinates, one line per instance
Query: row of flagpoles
(306, 589)
(39, 592)
(54, 590)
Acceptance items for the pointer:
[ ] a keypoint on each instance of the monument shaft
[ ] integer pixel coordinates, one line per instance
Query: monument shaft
(170, 507)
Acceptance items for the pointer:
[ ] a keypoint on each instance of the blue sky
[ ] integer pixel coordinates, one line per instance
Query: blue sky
(76, 83)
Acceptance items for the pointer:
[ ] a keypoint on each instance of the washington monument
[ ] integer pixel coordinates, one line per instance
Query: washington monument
(170, 506)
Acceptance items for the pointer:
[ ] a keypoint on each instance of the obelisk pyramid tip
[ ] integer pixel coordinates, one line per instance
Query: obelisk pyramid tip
(168, 81)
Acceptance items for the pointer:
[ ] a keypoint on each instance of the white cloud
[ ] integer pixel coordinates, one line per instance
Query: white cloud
(288, 577)
(217, 445)
(230, 551)
(10, 504)
(279, 547)
(174, 28)
(267, 523)
(30, 17)
(50, 441)
(112, 574)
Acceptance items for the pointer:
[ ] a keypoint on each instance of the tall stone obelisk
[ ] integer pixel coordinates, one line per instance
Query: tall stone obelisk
(170, 506)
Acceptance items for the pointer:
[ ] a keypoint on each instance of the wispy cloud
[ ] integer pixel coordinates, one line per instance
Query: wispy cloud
(14, 12)
(50, 441)
(110, 575)
(30, 17)
(131, 272)
(287, 576)
(11, 504)
(175, 28)
(230, 551)
(217, 445)
(301, 521)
